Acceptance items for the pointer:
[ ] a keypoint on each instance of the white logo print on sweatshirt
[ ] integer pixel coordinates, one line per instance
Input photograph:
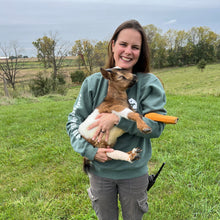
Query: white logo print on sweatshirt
(133, 103)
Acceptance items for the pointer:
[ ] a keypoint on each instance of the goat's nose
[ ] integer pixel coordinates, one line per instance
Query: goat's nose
(134, 77)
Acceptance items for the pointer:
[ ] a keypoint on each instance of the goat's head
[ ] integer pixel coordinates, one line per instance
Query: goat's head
(120, 77)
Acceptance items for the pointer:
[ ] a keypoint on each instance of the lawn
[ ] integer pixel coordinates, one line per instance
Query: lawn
(42, 178)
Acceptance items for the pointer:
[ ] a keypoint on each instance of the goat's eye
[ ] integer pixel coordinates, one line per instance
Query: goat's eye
(122, 77)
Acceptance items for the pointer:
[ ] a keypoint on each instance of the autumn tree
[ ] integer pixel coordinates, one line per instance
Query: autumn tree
(157, 43)
(90, 54)
(77, 50)
(170, 37)
(51, 53)
(100, 53)
(84, 49)
(205, 43)
(190, 47)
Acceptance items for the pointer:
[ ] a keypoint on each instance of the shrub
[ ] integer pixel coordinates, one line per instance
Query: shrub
(59, 85)
(61, 79)
(40, 85)
(77, 76)
(201, 64)
(61, 89)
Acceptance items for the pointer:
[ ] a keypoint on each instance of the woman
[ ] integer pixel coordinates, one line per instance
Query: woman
(110, 179)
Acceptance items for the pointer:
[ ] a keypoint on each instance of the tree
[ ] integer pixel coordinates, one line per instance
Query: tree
(100, 53)
(85, 51)
(51, 54)
(9, 67)
(170, 37)
(180, 47)
(45, 49)
(176, 45)
(157, 44)
(218, 48)
(77, 50)
(90, 54)
(205, 43)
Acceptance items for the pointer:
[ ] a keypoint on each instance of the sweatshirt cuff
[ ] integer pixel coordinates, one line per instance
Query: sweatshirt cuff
(123, 123)
(91, 152)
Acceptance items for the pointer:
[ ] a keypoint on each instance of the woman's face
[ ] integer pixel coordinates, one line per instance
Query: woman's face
(126, 49)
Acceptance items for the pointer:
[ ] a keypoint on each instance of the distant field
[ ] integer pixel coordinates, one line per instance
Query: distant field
(41, 176)
(177, 80)
(191, 80)
(31, 67)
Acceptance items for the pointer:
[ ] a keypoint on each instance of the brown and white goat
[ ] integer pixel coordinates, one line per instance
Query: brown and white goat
(116, 102)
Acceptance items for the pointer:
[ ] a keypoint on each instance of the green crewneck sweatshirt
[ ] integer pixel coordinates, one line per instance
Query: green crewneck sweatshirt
(147, 95)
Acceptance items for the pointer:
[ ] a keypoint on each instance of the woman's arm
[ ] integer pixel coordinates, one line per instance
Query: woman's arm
(82, 108)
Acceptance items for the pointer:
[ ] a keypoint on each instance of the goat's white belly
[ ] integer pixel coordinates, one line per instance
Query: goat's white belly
(88, 134)
(83, 128)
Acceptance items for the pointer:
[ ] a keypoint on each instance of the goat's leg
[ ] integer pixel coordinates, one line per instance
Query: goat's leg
(141, 125)
(129, 114)
(129, 156)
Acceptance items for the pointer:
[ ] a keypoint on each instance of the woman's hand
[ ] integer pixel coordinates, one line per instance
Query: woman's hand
(104, 123)
(101, 154)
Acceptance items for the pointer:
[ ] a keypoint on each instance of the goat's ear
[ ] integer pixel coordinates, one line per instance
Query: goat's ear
(106, 74)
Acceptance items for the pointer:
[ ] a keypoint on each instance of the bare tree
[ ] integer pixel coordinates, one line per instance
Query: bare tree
(9, 67)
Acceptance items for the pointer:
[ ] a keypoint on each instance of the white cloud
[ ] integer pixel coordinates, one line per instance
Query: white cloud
(171, 21)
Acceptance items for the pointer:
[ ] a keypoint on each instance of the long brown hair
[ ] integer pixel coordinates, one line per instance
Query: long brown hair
(143, 63)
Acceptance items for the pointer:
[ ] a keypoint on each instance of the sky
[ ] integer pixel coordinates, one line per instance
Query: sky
(24, 21)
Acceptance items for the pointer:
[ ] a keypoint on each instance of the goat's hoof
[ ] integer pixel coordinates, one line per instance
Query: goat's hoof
(134, 154)
(147, 130)
(136, 158)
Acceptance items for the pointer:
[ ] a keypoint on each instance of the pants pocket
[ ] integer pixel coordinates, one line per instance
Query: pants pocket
(92, 197)
(143, 205)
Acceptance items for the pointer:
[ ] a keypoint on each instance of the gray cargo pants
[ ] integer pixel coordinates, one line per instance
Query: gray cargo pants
(132, 193)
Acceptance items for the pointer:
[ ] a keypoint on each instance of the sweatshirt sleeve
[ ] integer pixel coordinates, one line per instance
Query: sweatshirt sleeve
(81, 109)
(152, 99)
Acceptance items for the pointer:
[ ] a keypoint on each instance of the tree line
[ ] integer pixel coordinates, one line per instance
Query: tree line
(173, 48)
(178, 48)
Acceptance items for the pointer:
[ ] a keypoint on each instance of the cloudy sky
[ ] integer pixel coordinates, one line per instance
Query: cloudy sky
(25, 21)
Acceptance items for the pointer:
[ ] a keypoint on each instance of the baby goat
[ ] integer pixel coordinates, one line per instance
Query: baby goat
(116, 102)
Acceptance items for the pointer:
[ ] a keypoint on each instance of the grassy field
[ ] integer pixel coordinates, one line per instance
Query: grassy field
(191, 81)
(29, 68)
(41, 176)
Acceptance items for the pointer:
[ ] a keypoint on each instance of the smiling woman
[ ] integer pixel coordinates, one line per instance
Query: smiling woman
(128, 49)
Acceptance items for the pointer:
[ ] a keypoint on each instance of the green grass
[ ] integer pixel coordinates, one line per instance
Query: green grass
(191, 81)
(189, 184)
(41, 176)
